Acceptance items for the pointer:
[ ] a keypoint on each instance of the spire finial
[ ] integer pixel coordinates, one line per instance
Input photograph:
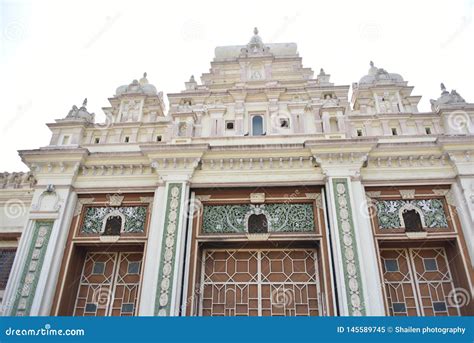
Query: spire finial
(371, 63)
(84, 103)
(145, 74)
(255, 31)
(443, 88)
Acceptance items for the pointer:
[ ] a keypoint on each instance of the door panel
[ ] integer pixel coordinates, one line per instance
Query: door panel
(417, 282)
(109, 284)
(260, 283)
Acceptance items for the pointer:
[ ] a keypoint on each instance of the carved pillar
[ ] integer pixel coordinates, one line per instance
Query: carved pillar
(172, 248)
(318, 122)
(341, 125)
(386, 128)
(326, 123)
(404, 127)
(239, 117)
(346, 247)
(35, 271)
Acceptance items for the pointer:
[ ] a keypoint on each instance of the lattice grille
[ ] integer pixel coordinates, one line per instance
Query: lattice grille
(109, 286)
(417, 282)
(260, 283)
(6, 262)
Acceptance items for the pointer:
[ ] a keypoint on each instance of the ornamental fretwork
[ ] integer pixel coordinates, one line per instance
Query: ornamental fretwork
(280, 217)
(389, 213)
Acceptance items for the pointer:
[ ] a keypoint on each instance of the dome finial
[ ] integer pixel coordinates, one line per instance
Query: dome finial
(443, 88)
(371, 63)
(255, 31)
(144, 74)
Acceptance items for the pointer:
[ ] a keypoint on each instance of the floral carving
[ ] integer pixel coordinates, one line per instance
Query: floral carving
(281, 217)
(388, 212)
(135, 217)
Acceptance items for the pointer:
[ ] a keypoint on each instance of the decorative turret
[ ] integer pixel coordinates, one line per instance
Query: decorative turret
(138, 101)
(255, 46)
(446, 99)
(80, 114)
(382, 92)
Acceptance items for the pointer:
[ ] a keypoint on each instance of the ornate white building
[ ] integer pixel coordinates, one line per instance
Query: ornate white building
(263, 190)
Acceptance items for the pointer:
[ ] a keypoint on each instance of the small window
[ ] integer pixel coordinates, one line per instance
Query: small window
(96, 140)
(159, 138)
(391, 265)
(90, 308)
(229, 125)
(258, 223)
(399, 307)
(439, 306)
(394, 131)
(257, 126)
(133, 267)
(412, 221)
(98, 268)
(128, 308)
(430, 264)
(113, 226)
(127, 139)
(66, 140)
(359, 133)
(284, 123)
(428, 130)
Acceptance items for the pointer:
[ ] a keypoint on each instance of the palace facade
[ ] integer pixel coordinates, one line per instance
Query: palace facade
(260, 191)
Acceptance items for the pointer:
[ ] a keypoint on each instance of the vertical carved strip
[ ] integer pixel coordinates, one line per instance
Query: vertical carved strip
(168, 250)
(345, 223)
(23, 298)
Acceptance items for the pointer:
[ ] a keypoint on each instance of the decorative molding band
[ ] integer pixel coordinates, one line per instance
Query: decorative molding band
(116, 169)
(23, 298)
(448, 195)
(348, 244)
(80, 205)
(317, 198)
(168, 250)
(257, 163)
(404, 161)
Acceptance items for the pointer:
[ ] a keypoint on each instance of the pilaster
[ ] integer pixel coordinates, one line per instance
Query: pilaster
(172, 248)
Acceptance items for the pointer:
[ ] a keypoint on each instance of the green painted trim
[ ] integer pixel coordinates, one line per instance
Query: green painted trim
(27, 300)
(348, 245)
(168, 250)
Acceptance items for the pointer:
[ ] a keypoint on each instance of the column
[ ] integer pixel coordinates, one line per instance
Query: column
(374, 301)
(150, 270)
(172, 248)
(326, 123)
(346, 248)
(461, 195)
(31, 288)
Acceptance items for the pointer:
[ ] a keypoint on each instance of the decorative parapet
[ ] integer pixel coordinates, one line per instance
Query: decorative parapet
(15, 180)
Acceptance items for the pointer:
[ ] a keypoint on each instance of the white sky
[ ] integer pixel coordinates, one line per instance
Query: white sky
(54, 54)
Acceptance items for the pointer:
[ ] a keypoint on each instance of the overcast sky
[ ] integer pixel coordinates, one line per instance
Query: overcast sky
(54, 54)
